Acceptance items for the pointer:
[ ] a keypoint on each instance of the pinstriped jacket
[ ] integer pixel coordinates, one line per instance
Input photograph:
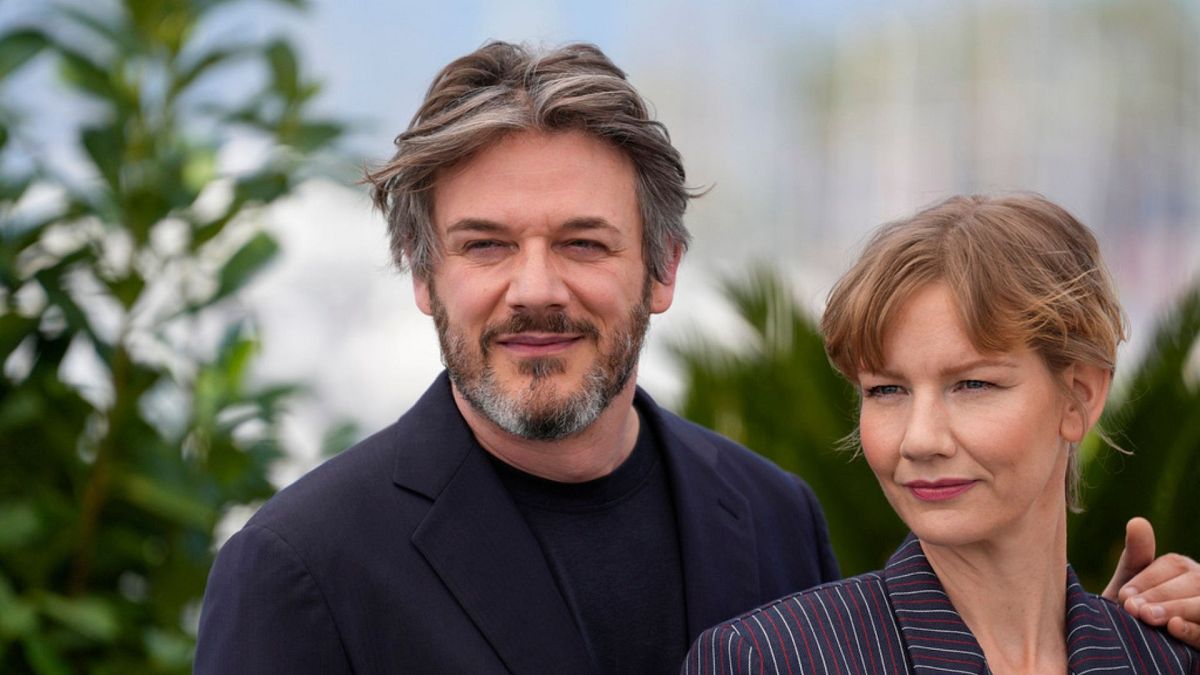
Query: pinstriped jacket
(901, 621)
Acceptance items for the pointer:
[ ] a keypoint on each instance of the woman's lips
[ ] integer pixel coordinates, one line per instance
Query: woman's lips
(939, 490)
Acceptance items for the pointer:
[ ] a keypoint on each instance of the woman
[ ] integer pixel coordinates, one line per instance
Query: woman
(982, 334)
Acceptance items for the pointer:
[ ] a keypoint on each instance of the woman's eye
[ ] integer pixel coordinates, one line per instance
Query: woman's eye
(974, 385)
(883, 390)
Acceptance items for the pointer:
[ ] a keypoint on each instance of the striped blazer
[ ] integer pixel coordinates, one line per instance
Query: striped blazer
(900, 620)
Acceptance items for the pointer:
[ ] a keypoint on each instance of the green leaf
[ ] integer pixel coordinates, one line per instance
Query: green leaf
(285, 71)
(192, 72)
(14, 328)
(17, 618)
(124, 41)
(262, 187)
(245, 263)
(87, 76)
(127, 289)
(339, 437)
(11, 190)
(105, 145)
(314, 135)
(91, 617)
(19, 524)
(43, 659)
(169, 650)
(17, 47)
(164, 501)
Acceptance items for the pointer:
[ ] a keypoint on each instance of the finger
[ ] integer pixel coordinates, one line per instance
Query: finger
(1170, 577)
(1185, 631)
(1137, 554)
(1158, 613)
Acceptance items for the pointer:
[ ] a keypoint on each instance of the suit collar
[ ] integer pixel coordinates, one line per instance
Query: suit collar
(935, 636)
(930, 624)
(490, 561)
(712, 516)
(479, 545)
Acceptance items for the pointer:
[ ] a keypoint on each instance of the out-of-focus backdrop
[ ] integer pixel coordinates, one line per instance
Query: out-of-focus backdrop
(198, 303)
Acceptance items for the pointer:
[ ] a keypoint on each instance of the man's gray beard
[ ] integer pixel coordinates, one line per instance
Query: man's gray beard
(523, 414)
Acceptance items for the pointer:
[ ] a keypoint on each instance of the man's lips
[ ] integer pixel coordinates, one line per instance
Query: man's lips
(538, 344)
(939, 490)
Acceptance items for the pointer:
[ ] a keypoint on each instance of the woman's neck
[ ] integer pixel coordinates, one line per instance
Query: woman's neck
(1011, 592)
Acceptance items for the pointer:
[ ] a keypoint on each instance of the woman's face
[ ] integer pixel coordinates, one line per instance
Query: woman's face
(968, 447)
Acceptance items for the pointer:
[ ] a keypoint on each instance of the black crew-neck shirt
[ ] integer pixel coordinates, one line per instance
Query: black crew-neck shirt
(613, 548)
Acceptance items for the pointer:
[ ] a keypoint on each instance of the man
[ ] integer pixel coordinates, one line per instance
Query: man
(534, 512)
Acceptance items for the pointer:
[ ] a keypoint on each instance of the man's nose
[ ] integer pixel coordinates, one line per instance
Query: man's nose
(927, 434)
(537, 282)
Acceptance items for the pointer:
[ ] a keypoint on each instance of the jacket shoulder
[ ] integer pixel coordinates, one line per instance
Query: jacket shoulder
(844, 626)
(1106, 628)
(357, 478)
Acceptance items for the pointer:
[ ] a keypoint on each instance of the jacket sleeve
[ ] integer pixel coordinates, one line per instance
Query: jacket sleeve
(265, 613)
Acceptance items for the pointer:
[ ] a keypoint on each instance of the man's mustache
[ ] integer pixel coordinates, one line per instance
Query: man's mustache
(553, 322)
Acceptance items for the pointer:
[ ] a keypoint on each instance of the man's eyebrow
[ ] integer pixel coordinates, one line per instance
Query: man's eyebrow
(588, 223)
(474, 225)
(485, 225)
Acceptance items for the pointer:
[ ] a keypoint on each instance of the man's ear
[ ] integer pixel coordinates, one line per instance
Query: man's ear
(1088, 385)
(662, 292)
(423, 294)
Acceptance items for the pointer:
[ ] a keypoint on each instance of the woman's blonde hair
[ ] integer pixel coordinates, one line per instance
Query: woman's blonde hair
(1024, 273)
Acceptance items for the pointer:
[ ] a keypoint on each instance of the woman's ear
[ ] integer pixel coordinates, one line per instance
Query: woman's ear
(1088, 386)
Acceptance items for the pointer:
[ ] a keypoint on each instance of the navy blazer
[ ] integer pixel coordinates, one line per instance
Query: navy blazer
(406, 554)
(900, 620)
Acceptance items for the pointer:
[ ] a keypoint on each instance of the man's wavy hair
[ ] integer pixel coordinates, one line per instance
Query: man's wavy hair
(504, 88)
(1023, 272)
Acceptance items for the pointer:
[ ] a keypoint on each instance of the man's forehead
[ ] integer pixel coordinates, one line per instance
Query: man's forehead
(567, 179)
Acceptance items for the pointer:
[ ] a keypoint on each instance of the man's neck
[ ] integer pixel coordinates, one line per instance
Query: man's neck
(592, 453)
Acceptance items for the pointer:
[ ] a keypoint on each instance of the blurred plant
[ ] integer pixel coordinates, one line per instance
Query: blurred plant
(779, 395)
(128, 425)
(1156, 417)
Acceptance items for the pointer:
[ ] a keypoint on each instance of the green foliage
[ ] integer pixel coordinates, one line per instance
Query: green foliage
(1156, 417)
(112, 482)
(779, 395)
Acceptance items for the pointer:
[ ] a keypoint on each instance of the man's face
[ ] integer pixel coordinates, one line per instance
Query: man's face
(541, 297)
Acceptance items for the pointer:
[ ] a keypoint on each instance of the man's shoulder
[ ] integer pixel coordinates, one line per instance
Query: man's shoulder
(354, 479)
(736, 463)
(422, 447)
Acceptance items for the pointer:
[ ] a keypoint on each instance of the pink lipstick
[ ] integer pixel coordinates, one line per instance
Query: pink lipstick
(939, 490)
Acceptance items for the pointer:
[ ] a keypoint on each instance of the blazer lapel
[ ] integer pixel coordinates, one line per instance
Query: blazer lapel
(935, 636)
(481, 548)
(716, 539)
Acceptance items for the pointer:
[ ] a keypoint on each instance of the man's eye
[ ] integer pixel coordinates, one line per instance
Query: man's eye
(586, 246)
(881, 390)
(484, 249)
(480, 245)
